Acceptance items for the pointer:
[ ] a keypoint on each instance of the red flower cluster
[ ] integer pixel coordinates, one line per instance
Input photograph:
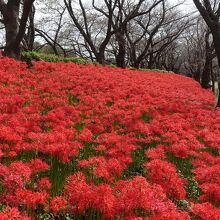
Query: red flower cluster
(105, 142)
(12, 213)
(206, 211)
(124, 198)
(165, 174)
(58, 204)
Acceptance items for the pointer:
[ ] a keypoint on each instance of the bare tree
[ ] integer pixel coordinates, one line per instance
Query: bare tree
(29, 37)
(85, 28)
(152, 34)
(198, 55)
(194, 49)
(50, 27)
(211, 16)
(139, 44)
(207, 73)
(169, 56)
(210, 11)
(14, 25)
(128, 11)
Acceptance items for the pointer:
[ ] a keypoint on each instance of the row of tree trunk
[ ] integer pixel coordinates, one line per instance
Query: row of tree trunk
(15, 26)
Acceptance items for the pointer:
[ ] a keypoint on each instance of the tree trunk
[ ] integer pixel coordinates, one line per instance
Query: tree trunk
(206, 74)
(207, 71)
(197, 75)
(31, 30)
(213, 79)
(136, 65)
(218, 103)
(216, 40)
(120, 57)
(133, 58)
(12, 28)
(135, 62)
(100, 58)
(150, 61)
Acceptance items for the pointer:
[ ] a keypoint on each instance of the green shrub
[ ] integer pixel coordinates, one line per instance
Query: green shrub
(78, 60)
(151, 70)
(29, 56)
(161, 71)
(35, 56)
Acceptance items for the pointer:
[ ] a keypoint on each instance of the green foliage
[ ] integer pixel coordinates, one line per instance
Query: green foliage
(183, 165)
(90, 214)
(145, 117)
(211, 150)
(89, 151)
(2, 189)
(36, 56)
(50, 216)
(2, 207)
(77, 60)
(73, 100)
(137, 166)
(109, 104)
(39, 56)
(79, 126)
(161, 71)
(185, 169)
(193, 189)
(58, 173)
(151, 70)
(25, 104)
(139, 158)
(182, 204)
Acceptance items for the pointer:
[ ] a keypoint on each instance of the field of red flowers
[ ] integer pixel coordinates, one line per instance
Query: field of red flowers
(92, 142)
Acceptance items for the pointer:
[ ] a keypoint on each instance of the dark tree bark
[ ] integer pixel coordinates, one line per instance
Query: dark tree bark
(218, 103)
(14, 28)
(30, 36)
(197, 75)
(211, 17)
(216, 40)
(120, 56)
(207, 71)
(11, 19)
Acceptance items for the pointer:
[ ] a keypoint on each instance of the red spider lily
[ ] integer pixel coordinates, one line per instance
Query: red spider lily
(206, 211)
(58, 204)
(164, 174)
(76, 138)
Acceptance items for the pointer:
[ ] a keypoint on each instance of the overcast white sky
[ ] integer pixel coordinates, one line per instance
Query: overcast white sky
(188, 6)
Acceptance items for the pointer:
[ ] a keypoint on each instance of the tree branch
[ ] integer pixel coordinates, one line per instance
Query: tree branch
(26, 11)
(3, 7)
(203, 12)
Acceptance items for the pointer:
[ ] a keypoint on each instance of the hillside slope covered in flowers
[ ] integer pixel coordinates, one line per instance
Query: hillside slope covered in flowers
(91, 142)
